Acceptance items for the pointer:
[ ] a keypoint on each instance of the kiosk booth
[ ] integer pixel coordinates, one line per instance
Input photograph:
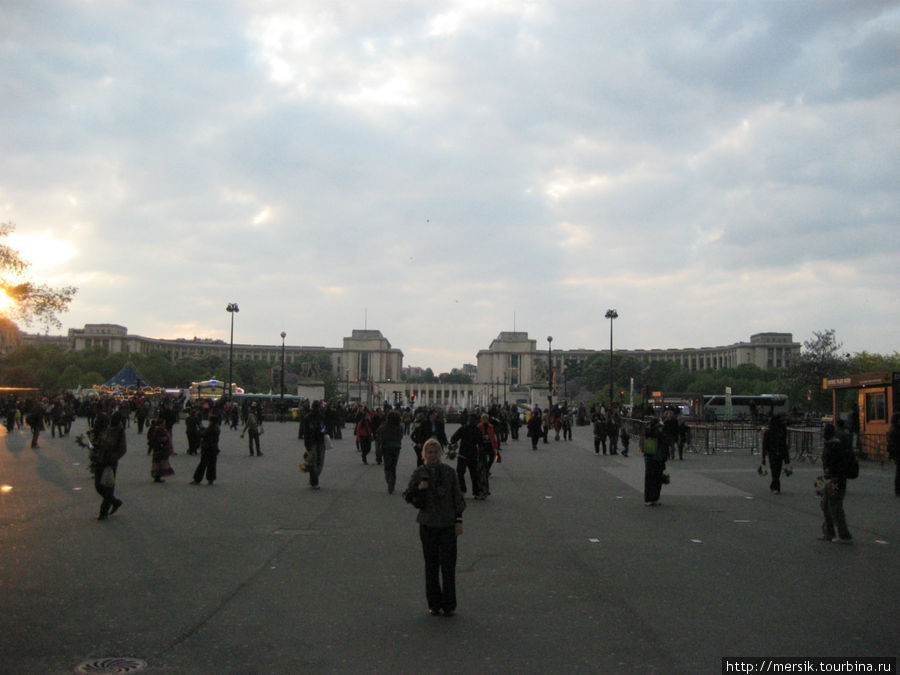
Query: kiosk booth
(877, 399)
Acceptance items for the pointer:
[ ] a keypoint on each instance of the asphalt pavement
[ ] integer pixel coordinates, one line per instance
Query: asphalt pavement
(562, 569)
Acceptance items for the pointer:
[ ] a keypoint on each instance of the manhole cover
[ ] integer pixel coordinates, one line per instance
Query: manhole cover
(111, 665)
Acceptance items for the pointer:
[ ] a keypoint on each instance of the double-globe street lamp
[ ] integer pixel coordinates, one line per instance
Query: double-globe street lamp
(611, 314)
(232, 308)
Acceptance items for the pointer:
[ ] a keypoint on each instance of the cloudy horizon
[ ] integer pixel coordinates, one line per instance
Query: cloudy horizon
(445, 171)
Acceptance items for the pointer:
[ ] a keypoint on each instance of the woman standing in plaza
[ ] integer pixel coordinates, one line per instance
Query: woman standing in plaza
(434, 489)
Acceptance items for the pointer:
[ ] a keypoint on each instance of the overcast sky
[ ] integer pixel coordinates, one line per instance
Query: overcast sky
(445, 171)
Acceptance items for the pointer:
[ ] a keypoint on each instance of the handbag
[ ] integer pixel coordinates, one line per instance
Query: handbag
(329, 444)
(108, 477)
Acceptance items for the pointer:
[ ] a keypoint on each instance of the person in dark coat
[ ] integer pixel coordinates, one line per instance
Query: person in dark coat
(34, 418)
(432, 427)
(161, 448)
(836, 456)
(108, 447)
(655, 455)
(535, 427)
(670, 433)
(775, 448)
(314, 442)
(440, 524)
(209, 452)
(468, 437)
(193, 430)
(253, 428)
(390, 438)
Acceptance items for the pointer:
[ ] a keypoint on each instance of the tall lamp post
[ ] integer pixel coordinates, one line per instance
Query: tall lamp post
(549, 373)
(231, 309)
(281, 409)
(611, 314)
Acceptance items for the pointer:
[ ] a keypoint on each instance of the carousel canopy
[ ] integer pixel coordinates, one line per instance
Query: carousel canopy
(127, 377)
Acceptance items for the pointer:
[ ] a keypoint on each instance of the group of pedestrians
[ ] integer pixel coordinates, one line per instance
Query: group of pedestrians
(438, 489)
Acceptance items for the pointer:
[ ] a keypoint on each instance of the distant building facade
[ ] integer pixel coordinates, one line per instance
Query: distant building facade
(365, 356)
(367, 368)
(514, 359)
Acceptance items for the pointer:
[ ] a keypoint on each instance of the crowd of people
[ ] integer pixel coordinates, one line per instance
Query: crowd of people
(436, 488)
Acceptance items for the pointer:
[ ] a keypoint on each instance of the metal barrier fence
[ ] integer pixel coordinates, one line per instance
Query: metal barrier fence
(805, 443)
(725, 437)
(873, 447)
(714, 437)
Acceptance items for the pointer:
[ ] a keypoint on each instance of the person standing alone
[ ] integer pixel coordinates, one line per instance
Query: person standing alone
(434, 488)
(836, 459)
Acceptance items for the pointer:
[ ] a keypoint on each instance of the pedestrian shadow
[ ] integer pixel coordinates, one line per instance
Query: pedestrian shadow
(50, 471)
(15, 442)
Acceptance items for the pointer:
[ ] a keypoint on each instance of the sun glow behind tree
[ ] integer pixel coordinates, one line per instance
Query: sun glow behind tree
(22, 299)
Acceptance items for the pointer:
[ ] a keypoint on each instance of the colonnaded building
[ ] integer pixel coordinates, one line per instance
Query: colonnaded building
(368, 369)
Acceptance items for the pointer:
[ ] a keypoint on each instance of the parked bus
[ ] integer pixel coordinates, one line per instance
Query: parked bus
(750, 408)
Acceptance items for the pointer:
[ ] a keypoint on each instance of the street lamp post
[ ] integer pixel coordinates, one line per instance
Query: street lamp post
(611, 314)
(549, 373)
(281, 409)
(231, 309)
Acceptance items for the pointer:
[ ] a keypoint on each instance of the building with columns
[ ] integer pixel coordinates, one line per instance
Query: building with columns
(514, 358)
(366, 356)
(367, 368)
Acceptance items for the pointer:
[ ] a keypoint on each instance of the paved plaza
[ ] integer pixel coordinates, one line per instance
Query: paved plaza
(562, 569)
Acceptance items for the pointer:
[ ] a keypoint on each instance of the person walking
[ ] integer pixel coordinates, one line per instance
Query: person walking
(34, 418)
(364, 436)
(141, 413)
(314, 442)
(161, 449)
(599, 434)
(252, 428)
(489, 452)
(625, 438)
(836, 458)
(209, 452)
(193, 431)
(775, 447)
(435, 489)
(655, 454)
(390, 439)
(432, 427)
(108, 446)
(468, 437)
(535, 427)
(613, 421)
(670, 433)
